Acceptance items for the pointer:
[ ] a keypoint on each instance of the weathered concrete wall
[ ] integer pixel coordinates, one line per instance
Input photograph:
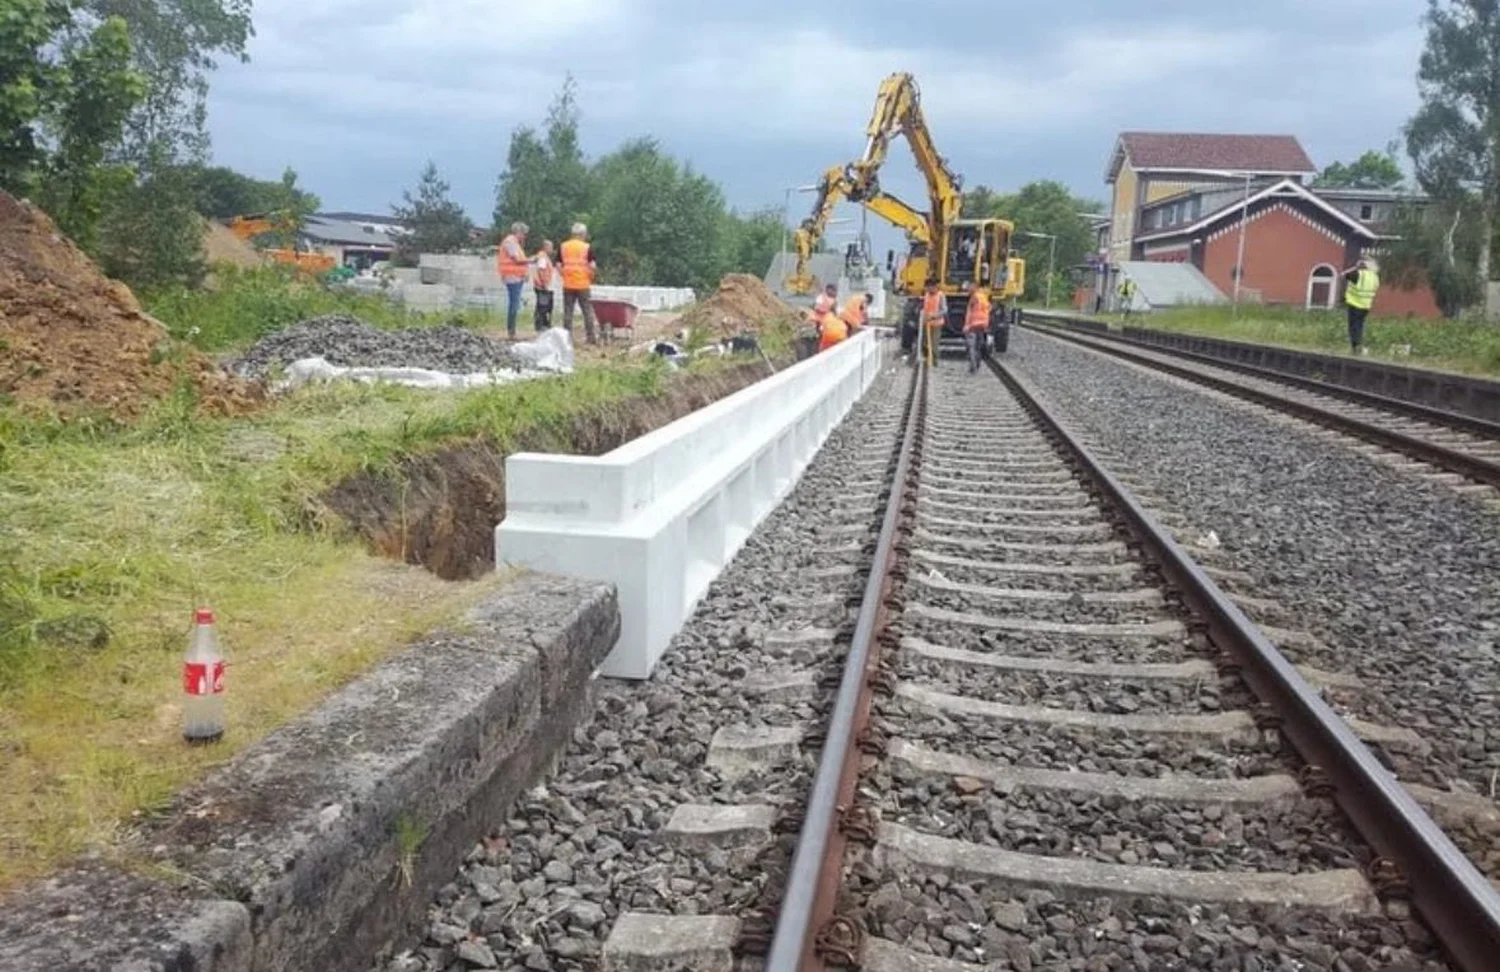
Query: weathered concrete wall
(324, 843)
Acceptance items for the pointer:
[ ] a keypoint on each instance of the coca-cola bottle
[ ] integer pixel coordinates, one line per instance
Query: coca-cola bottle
(203, 683)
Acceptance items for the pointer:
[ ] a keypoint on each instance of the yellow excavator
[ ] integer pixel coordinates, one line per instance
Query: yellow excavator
(960, 254)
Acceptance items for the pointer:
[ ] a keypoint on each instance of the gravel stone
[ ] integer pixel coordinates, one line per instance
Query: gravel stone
(349, 342)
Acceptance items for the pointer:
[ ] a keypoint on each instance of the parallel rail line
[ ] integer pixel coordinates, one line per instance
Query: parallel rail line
(1448, 440)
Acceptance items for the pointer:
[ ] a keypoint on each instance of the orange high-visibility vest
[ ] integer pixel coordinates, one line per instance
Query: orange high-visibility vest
(853, 313)
(512, 268)
(834, 331)
(576, 274)
(931, 316)
(544, 274)
(978, 316)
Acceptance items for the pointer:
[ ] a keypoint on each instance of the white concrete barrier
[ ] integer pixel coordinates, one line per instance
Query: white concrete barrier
(660, 516)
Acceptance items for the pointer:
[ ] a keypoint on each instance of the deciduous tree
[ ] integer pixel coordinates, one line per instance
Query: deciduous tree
(1372, 170)
(1454, 138)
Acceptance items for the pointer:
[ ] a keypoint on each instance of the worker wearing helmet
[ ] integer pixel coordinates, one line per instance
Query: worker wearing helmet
(824, 305)
(856, 312)
(1362, 284)
(976, 323)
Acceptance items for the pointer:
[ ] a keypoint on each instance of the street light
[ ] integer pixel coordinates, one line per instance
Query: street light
(1051, 259)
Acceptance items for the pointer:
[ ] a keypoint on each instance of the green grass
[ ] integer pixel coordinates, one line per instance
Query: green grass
(109, 537)
(246, 305)
(1468, 346)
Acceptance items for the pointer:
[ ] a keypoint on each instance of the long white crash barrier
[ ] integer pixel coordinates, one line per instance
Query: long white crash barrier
(660, 516)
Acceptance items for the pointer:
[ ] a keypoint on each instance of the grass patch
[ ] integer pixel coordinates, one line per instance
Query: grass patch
(1467, 346)
(245, 305)
(110, 536)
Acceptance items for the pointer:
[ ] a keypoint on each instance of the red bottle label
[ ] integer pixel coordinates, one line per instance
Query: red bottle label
(197, 679)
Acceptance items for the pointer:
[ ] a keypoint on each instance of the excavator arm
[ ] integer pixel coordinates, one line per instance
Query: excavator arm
(898, 111)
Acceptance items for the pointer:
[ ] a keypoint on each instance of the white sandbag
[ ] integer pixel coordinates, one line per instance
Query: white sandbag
(552, 350)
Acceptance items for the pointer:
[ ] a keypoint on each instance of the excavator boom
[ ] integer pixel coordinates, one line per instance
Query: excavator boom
(898, 111)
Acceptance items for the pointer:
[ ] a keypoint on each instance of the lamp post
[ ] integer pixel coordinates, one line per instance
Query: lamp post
(1239, 260)
(1051, 260)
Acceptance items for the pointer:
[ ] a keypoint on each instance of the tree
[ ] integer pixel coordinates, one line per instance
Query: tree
(151, 233)
(546, 183)
(1437, 247)
(750, 242)
(290, 207)
(176, 46)
(64, 94)
(1373, 170)
(1454, 138)
(437, 223)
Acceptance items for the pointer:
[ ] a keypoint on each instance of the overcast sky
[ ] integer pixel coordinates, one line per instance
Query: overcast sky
(358, 94)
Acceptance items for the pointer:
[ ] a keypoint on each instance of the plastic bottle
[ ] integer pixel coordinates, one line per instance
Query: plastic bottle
(203, 683)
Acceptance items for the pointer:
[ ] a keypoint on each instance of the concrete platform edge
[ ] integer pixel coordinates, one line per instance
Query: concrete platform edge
(323, 844)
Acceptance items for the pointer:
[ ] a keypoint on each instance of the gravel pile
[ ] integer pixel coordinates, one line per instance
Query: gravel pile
(543, 893)
(1394, 575)
(351, 343)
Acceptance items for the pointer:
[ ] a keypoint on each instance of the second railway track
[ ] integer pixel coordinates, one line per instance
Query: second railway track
(1449, 443)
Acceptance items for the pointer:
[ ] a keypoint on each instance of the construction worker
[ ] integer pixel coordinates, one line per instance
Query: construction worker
(824, 305)
(976, 323)
(542, 273)
(1362, 283)
(832, 332)
(514, 267)
(934, 316)
(856, 312)
(578, 268)
(1127, 295)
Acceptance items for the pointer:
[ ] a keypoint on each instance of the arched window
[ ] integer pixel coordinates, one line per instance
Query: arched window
(1321, 287)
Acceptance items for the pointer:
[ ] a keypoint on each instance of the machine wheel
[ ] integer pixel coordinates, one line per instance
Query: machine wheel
(1000, 340)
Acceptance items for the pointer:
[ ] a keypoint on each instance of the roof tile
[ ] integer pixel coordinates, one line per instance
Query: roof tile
(1183, 150)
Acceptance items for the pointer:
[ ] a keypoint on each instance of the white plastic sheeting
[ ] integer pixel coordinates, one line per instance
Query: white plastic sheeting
(549, 354)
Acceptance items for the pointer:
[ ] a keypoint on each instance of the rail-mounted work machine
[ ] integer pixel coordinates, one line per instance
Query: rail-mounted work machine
(960, 254)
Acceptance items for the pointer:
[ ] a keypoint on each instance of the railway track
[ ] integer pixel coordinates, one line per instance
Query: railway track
(1456, 445)
(1046, 752)
(962, 704)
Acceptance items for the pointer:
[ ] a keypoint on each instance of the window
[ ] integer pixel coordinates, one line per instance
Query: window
(1366, 212)
(1321, 288)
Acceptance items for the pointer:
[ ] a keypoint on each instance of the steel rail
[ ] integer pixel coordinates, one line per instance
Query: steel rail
(1416, 410)
(1474, 467)
(1457, 902)
(813, 882)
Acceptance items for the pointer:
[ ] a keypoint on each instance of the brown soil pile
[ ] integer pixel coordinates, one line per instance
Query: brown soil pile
(220, 246)
(439, 511)
(742, 303)
(74, 340)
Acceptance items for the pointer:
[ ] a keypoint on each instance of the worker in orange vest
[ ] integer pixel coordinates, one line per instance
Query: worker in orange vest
(976, 323)
(824, 305)
(542, 273)
(934, 316)
(856, 312)
(578, 267)
(514, 267)
(833, 331)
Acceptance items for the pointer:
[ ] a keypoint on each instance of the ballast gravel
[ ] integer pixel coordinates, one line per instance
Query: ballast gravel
(543, 893)
(351, 343)
(1397, 577)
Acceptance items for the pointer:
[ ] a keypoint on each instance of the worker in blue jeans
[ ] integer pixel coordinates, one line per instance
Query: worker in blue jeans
(514, 268)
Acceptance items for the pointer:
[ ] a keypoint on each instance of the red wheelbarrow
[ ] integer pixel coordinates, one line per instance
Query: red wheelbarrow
(614, 315)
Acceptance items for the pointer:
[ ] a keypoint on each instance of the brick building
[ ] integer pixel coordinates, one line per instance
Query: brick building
(1184, 198)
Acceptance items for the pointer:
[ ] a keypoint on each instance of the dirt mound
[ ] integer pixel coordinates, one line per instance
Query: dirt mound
(73, 339)
(220, 246)
(351, 343)
(742, 303)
